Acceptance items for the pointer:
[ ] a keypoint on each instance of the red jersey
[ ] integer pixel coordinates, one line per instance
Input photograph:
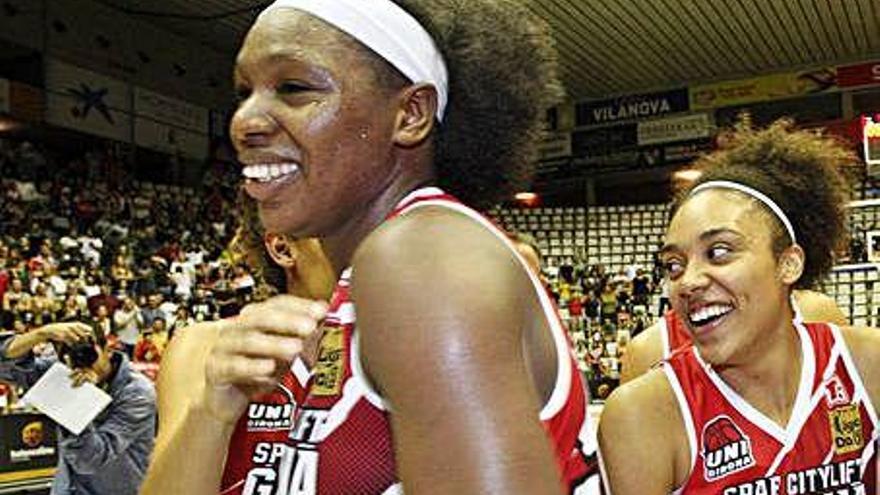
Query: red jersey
(342, 440)
(827, 447)
(673, 333)
(260, 437)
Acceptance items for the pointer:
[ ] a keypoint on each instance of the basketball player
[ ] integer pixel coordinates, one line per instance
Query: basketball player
(351, 117)
(762, 402)
(295, 267)
(669, 333)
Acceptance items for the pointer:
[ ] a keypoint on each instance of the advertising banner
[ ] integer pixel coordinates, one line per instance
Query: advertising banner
(27, 446)
(866, 74)
(555, 145)
(167, 110)
(170, 139)
(763, 88)
(634, 107)
(86, 101)
(675, 129)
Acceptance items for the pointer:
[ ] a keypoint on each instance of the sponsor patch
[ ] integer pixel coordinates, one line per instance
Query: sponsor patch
(846, 429)
(330, 368)
(725, 449)
(835, 393)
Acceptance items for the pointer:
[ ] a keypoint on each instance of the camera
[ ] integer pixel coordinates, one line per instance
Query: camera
(82, 354)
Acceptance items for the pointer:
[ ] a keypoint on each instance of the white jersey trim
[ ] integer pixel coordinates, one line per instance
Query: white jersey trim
(395, 489)
(564, 363)
(859, 386)
(802, 401)
(664, 336)
(357, 372)
(300, 371)
(686, 416)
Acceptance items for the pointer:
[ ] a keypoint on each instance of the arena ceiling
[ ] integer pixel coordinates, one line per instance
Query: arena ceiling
(615, 47)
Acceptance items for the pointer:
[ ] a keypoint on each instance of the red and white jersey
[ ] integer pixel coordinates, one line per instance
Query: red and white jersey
(827, 447)
(260, 437)
(342, 441)
(673, 333)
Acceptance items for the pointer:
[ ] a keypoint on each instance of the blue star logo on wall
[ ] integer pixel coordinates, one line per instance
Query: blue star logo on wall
(87, 99)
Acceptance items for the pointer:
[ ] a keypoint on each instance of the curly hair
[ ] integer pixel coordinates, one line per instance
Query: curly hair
(801, 171)
(247, 247)
(502, 66)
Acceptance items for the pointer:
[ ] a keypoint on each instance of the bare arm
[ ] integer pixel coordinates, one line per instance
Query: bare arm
(186, 431)
(67, 333)
(441, 310)
(641, 431)
(864, 346)
(232, 360)
(644, 351)
(816, 306)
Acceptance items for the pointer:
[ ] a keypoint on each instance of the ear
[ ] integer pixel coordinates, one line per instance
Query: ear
(791, 264)
(280, 249)
(415, 117)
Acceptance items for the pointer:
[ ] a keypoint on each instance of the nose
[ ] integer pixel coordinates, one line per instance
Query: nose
(252, 124)
(692, 281)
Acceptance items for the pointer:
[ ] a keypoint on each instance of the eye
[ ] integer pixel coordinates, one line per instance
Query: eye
(291, 87)
(718, 252)
(673, 267)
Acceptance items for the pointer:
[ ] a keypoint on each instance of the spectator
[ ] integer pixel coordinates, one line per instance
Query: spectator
(153, 311)
(110, 456)
(104, 298)
(129, 321)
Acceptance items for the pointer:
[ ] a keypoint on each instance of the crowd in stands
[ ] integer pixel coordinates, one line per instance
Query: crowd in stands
(80, 240)
(603, 311)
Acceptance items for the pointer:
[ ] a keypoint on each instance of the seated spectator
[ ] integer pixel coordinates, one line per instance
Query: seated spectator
(152, 343)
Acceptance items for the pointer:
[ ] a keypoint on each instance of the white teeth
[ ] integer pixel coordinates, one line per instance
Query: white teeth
(708, 312)
(267, 172)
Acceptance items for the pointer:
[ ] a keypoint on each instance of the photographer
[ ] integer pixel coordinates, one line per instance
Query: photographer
(110, 456)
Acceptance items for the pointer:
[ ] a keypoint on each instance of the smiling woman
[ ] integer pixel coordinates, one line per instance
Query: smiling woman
(353, 118)
(758, 401)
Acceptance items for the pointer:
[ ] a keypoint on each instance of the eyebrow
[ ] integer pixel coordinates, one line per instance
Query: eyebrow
(704, 236)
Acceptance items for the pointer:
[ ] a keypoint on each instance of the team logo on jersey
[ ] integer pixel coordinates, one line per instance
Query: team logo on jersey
(269, 417)
(330, 367)
(835, 393)
(726, 450)
(846, 429)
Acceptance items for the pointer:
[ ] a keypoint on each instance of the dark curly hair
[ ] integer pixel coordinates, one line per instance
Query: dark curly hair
(502, 66)
(799, 170)
(247, 247)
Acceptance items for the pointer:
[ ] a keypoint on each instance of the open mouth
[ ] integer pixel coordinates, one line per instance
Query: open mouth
(708, 315)
(268, 172)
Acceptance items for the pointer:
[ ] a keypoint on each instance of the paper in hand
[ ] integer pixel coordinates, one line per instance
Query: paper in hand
(71, 407)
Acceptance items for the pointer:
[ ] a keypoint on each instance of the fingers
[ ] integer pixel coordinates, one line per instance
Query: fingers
(256, 344)
(285, 315)
(69, 333)
(242, 371)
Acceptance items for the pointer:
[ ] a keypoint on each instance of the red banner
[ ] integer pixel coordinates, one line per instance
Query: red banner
(858, 75)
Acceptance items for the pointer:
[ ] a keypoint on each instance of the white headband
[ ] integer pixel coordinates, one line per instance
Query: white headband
(763, 198)
(387, 30)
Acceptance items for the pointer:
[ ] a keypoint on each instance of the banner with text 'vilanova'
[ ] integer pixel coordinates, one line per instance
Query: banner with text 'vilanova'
(86, 101)
(169, 125)
(631, 108)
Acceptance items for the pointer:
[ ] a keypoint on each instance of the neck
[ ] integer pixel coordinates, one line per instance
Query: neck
(768, 373)
(341, 245)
